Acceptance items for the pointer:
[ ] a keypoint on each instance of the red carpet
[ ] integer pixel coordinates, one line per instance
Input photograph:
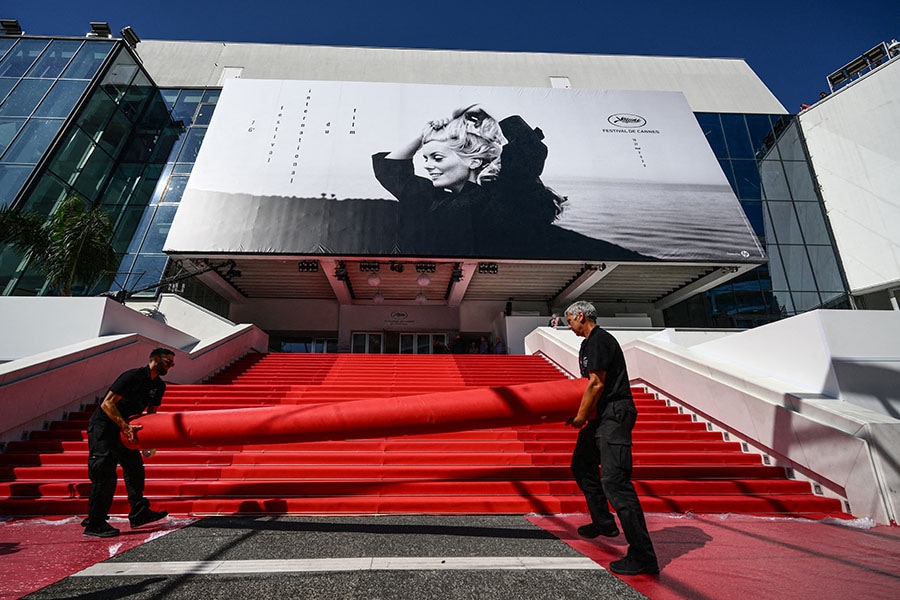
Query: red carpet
(680, 465)
(718, 557)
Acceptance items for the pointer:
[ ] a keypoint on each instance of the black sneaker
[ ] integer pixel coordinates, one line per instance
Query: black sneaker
(592, 530)
(104, 530)
(147, 516)
(631, 566)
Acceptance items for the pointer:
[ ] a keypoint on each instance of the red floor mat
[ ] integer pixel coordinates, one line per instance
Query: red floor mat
(714, 557)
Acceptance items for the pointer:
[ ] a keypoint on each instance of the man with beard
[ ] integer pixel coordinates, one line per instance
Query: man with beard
(133, 392)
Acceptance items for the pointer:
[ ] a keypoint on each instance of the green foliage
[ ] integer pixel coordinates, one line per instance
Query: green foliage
(72, 246)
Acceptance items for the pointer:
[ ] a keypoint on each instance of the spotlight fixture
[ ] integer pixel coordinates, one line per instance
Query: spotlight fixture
(99, 29)
(10, 27)
(340, 271)
(397, 267)
(369, 267)
(423, 280)
(130, 37)
(374, 279)
(308, 266)
(456, 274)
(488, 268)
(425, 267)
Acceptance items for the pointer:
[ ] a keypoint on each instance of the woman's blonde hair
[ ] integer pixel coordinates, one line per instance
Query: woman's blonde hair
(485, 146)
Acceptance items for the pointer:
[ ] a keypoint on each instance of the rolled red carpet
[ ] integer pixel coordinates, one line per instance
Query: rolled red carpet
(480, 408)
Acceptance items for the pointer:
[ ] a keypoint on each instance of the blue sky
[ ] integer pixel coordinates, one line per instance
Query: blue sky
(792, 45)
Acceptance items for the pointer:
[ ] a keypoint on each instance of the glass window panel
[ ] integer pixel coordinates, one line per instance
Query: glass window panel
(61, 99)
(211, 96)
(797, 268)
(785, 304)
(72, 154)
(787, 229)
(12, 177)
(136, 96)
(170, 97)
(712, 129)
(88, 60)
(54, 59)
(5, 44)
(754, 212)
(120, 187)
(186, 106)
(147, 270)
(161, 183)
(33, 141)
(812, 222)
(95, 115)
(22, 101)
(800, 181)
(119, 76)
(774, 183)
(122, 273)
(746, 175)
(176, 190)
(204, 116)
(825, 267)
(20, 58)
(115, 134)
(776, 268)
(94, 173)
(359, 343)
(125, 227)
(729, 174)
(835, 300)
(8, 130)
(191, 146)
(183, 168)
(47, 193)
(767, 223)
(159, 229)
(789, 144)
(140, 231)
(736, 136)
(760, 127)
(804, 301)
(6, 84)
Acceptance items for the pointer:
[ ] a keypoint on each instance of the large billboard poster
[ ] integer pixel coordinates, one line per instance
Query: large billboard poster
(347, 168)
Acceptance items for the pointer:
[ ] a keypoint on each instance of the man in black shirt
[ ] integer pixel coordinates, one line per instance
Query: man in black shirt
(132, 393)
(606, 417)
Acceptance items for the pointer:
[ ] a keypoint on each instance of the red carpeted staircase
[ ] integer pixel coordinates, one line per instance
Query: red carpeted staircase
(680, 466)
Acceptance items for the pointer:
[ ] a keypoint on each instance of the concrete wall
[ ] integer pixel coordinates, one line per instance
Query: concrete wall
(710, 84)
(87, 342)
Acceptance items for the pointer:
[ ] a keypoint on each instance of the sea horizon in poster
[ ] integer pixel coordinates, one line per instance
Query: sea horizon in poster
(286, 167)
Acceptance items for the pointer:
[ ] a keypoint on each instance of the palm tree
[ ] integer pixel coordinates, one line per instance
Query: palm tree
(72, 246)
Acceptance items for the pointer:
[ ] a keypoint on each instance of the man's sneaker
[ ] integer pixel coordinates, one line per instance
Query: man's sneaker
(592, 530)
(104, 530)
(147, 516)
(631, 566)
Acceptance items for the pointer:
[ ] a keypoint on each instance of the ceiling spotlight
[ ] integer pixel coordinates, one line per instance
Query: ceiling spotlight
(488, 268)
(423, 280)
(425, 267)
(369, 267)
(397, 267)
(340, 271)
(374, 280)
(308, 266)
(456, 274)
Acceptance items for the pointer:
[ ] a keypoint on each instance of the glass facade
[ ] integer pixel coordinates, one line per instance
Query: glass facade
(145, 264)
(764, 159)
(78, 118)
